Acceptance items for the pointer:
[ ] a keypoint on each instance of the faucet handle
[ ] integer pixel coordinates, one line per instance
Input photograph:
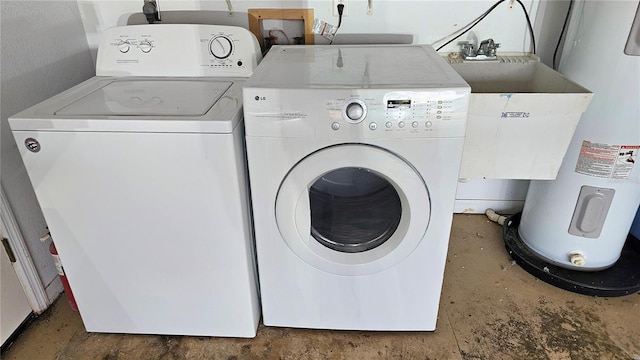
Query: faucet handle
(488, 47)
(492, 50)
(467, 49)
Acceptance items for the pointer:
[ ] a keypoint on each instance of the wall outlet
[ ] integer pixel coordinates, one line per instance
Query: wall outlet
(345, 11)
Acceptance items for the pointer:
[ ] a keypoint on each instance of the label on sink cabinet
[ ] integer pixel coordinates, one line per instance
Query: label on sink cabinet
(606, 160)
(515, 114)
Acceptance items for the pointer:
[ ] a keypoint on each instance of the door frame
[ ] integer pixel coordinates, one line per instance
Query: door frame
(24, 267)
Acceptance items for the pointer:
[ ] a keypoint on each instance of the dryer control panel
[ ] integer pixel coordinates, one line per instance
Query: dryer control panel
(177, 50)
(356, 113)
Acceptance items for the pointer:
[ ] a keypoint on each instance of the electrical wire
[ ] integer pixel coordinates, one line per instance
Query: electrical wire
(475, 22)
(334, 37)
(340, 11)
(564, 27)
(533, 37)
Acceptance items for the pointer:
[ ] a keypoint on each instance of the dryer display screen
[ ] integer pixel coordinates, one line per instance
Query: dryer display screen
(398, 104)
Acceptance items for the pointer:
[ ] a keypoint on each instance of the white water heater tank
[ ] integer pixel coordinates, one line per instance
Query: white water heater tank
(581, 219)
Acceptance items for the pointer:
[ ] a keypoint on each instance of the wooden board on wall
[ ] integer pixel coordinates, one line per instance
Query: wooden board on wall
(257, 15)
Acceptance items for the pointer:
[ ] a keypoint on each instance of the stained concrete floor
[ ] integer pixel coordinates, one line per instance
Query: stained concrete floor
(490, 309)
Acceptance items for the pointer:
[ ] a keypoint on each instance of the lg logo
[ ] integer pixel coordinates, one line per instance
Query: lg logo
(258, 98)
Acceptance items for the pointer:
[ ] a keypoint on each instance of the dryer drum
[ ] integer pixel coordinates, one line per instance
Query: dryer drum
(353, 210)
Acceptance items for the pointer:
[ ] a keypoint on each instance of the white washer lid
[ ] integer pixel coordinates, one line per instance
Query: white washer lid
(149, 98)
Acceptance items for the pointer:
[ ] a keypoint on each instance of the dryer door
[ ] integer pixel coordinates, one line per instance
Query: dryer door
(353, 209)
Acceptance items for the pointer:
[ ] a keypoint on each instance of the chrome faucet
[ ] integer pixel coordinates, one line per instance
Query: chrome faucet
(486, 50)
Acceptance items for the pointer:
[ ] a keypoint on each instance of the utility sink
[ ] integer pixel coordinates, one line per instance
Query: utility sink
(522, 116)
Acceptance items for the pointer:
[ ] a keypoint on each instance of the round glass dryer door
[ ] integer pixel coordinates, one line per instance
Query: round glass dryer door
(352, 209)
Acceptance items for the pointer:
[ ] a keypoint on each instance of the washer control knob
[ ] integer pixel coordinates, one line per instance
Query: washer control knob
(221, 47)
(145, 46)
(335, 126)
(124, 46)
(355, 111)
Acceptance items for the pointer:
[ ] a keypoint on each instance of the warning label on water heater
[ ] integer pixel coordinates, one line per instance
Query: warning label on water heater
(607, 161)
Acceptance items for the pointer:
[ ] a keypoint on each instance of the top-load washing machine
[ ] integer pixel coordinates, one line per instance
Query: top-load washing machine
(141, 175)
(353, 154)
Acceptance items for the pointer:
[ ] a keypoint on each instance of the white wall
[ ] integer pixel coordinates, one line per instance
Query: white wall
(548, 27)
(503, 196)
(44, 51)
(426, 20)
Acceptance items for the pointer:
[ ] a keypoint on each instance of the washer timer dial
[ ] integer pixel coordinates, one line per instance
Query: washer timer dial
(124, 46)
(145, 46)
(221, 47)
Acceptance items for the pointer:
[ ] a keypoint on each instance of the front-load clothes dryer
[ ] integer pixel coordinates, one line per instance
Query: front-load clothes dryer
(353, 154)
(141, 175)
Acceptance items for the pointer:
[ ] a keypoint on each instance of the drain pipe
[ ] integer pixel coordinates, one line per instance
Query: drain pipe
(493, 216)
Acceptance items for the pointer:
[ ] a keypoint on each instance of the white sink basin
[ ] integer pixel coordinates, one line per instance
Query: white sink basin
(522, 116)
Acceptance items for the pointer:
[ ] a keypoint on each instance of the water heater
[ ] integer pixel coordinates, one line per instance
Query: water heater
(580, 220)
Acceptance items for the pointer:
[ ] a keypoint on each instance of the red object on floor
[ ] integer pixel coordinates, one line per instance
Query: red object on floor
(63, 277)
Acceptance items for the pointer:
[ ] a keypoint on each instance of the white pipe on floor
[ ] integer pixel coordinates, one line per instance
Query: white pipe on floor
(493, 216)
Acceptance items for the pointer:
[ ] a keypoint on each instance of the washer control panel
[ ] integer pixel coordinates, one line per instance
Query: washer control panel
(364, 113)
(177, 50)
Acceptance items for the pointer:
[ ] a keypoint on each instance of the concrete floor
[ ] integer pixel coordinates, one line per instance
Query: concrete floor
(490, 309)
